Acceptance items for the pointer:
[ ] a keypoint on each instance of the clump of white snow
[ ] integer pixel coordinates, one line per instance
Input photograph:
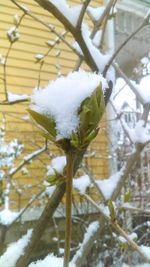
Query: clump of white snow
(92, 228)
(7, 216)
(2, 60)
(146, 251)
(100, 59)
(15, 251)
(144, 88)
(95, 13)
(71, 13)
(13, 34)
(97, 38)
(57, 164)
(140, 134)
(107, 186)
(14, 97)
(61, 99)
(50, 190)
(81, 183)
(143, 265)
(49, 260)
(132, 236)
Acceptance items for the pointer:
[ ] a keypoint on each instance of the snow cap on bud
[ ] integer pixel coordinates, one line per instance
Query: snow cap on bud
(69, 109)
(13, 34)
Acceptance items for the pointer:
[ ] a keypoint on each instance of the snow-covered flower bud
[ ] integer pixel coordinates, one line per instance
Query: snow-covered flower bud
(13, 34)
(69, 109)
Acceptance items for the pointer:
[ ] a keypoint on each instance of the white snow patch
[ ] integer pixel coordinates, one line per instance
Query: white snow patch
(77, 48)
(81, 183)
(14, 97)
(97, 38)
(61, 99)
(50, 190)
(107, 186)
(143, 265)
(100, 59)
(125, 265)
(13, 34)
(146, 251)
(7, 216)
(71, 13)
(144, 88)
(92, 228)
(132, 236)
(39, 56)
(95, 13)
(57, 164)
(50, 260)
(2, 60)
(140, 134)
(145, 60)
(15, 250)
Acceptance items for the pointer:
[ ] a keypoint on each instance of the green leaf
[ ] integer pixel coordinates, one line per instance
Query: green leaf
(127, 196)
(112, 210)
(45, 122)
(90, 112)
(74, 140)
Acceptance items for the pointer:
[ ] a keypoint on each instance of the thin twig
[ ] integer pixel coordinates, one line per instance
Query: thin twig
(50, 27)
(142, 25)
(82, 13)
(127, 80)
(6, 59)
(26, 208)
(26, 160)
(104, 14)
(7, 102)
(73, 30)
(116, 226)
(134, 209)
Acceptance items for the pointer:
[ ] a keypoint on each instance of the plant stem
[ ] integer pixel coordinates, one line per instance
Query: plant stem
(70, 166)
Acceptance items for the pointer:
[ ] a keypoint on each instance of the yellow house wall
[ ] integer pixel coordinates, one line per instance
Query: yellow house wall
(22, 76)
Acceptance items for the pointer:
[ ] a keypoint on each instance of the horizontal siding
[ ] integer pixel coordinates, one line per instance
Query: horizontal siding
(22, 77)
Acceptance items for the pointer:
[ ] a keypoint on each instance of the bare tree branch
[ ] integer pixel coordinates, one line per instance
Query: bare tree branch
(103, 16)
(142, 25)
(116, 226)
(27, 159)
(80, 19)
(127, 80)
(49, 26)
(75, 32)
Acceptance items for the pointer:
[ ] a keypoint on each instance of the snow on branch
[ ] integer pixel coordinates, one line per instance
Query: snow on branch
(14, 251)
(90, 232)
(57, 164)
(82, 183)
(100, 59)
(96, 13)
(49, 26)
(49, 260)
(139, 134)
(7, 216)
(131, 84)
(70, 13)
(26, 160)
(13, 98)
(107, 186)
(142, 252)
